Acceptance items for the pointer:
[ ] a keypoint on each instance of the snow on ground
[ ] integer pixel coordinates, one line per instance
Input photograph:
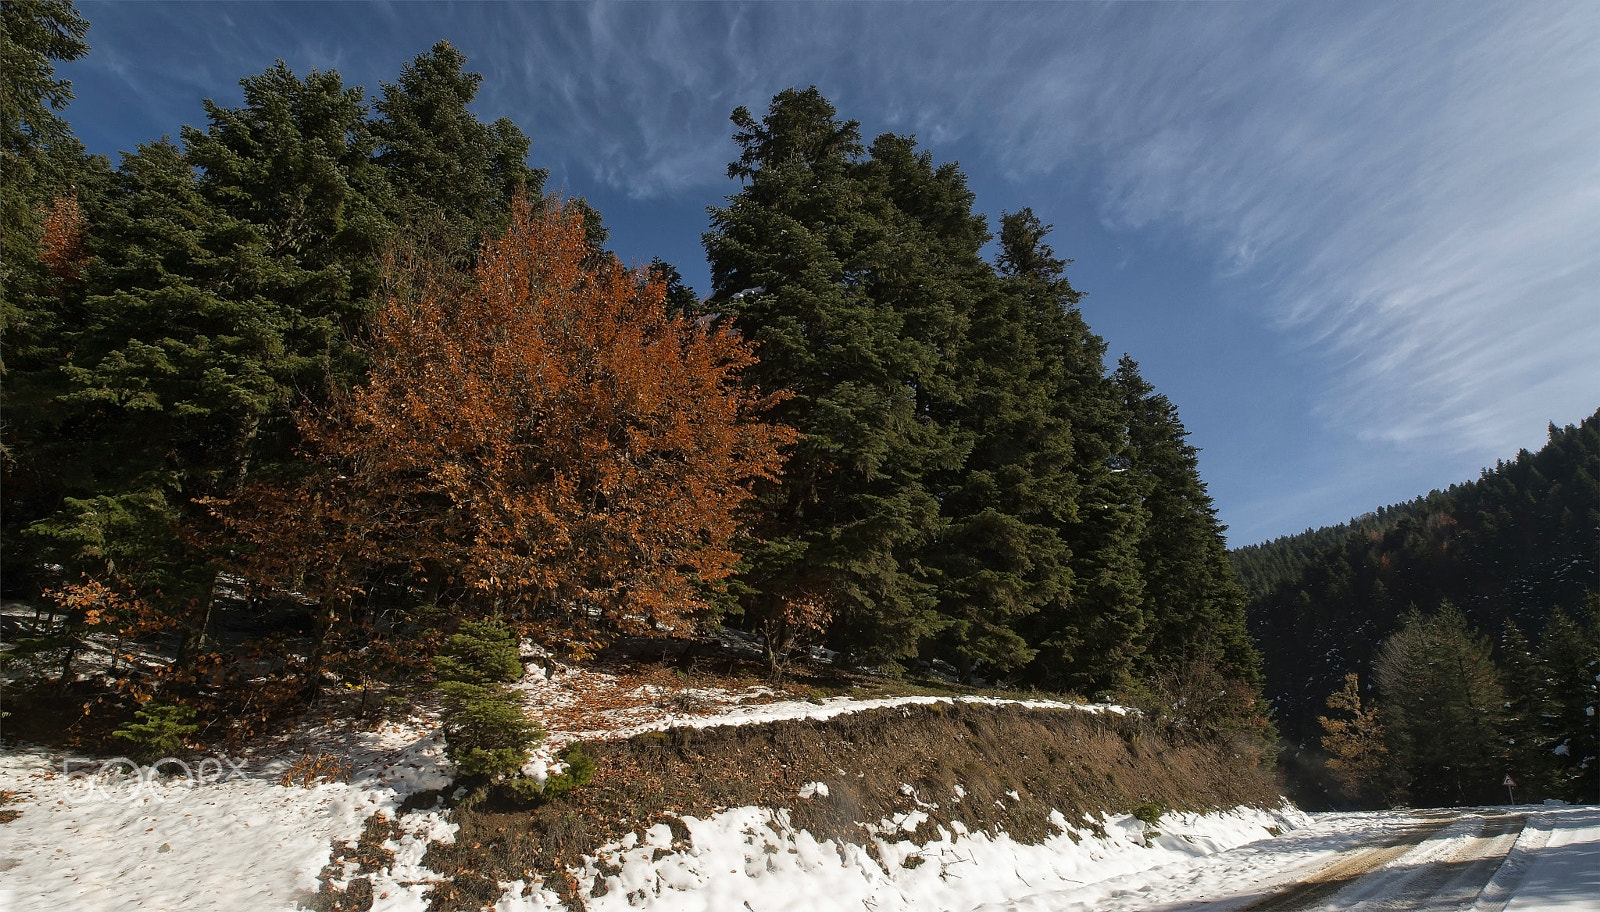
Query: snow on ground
(220, 833)
(584, 704)
(1555, 867)
(228, 834)
(750, 858)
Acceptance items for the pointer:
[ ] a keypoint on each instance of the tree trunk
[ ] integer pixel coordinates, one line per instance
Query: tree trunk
(319, 648)
(207, 612)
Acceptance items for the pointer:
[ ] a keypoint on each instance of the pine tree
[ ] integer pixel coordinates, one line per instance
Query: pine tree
(1512, 545)
(453, 177)
(1444, 708)
(1192, 604)
(814, 261)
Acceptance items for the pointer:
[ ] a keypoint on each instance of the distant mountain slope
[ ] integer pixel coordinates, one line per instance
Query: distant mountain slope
(1522, 539)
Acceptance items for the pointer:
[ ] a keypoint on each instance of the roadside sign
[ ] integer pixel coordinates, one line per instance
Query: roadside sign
(1509, 783)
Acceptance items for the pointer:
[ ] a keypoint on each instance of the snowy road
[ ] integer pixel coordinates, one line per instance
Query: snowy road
(1524, 859)
(1443, 863)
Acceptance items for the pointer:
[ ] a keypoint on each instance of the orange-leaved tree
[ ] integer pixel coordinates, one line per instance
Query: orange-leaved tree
(544, 443)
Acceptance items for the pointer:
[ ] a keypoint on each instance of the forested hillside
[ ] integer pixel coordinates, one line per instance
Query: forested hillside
(291, 400)
(1505, 560)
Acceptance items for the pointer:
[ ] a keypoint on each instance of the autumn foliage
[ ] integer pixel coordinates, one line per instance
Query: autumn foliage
(543, 443)
(62, 247)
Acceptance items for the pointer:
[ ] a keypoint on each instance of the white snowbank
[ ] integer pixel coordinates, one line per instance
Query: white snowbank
(789, 710)
(752, 858)
(220, 834)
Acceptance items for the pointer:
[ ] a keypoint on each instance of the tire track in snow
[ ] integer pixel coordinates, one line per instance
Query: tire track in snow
(1425, 869)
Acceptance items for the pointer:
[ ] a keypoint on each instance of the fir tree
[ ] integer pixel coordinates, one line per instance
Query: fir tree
(40, 159)
(1444, 708)
(179, 362)
(813, 261)
(1569, 651)
(1003, 557)
(1088, 636)
(453, 177)
(487, 734)
(1192, 605)
(297, 162)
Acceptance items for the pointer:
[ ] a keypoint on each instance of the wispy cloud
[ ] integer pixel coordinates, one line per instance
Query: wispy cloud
(1411, 192)
(1416, 190)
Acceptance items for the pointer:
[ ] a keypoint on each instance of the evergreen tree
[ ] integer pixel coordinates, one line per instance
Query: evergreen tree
(40, 160)
(297, 162)
(814, 262)
(1510, 546)
(487, 733)
(1089, 636)
(1443, 704)
(453, 177)
(681, 299)
(1569, 651)
(46, 181)
(1531, 736)
(1192, 604)
(178, 363)
(1003, 557)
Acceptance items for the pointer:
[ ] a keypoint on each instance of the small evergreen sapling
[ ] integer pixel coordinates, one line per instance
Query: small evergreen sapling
(1149, 813)
(580, 772)
(162, 731)
(487, 735)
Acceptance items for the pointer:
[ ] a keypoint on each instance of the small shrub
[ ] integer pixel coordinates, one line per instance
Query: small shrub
(487, 735)
(162, 732)
(580, 772)
(1150, 812)
(311, 769)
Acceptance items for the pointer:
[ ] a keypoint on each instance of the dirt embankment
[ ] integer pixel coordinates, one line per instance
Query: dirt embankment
(993, 768)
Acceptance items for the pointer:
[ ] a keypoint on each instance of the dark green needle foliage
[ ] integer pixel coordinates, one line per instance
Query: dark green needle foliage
(972, 486)
(487, 733)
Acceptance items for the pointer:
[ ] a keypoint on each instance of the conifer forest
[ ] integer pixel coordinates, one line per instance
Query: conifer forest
(323, 391)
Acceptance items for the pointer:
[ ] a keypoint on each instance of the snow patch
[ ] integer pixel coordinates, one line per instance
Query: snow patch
(754, 858)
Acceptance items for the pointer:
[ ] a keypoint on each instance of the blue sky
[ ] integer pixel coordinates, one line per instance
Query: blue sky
(1358, 245)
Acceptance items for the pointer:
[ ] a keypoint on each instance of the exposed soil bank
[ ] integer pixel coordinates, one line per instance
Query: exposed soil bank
(992, 768)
